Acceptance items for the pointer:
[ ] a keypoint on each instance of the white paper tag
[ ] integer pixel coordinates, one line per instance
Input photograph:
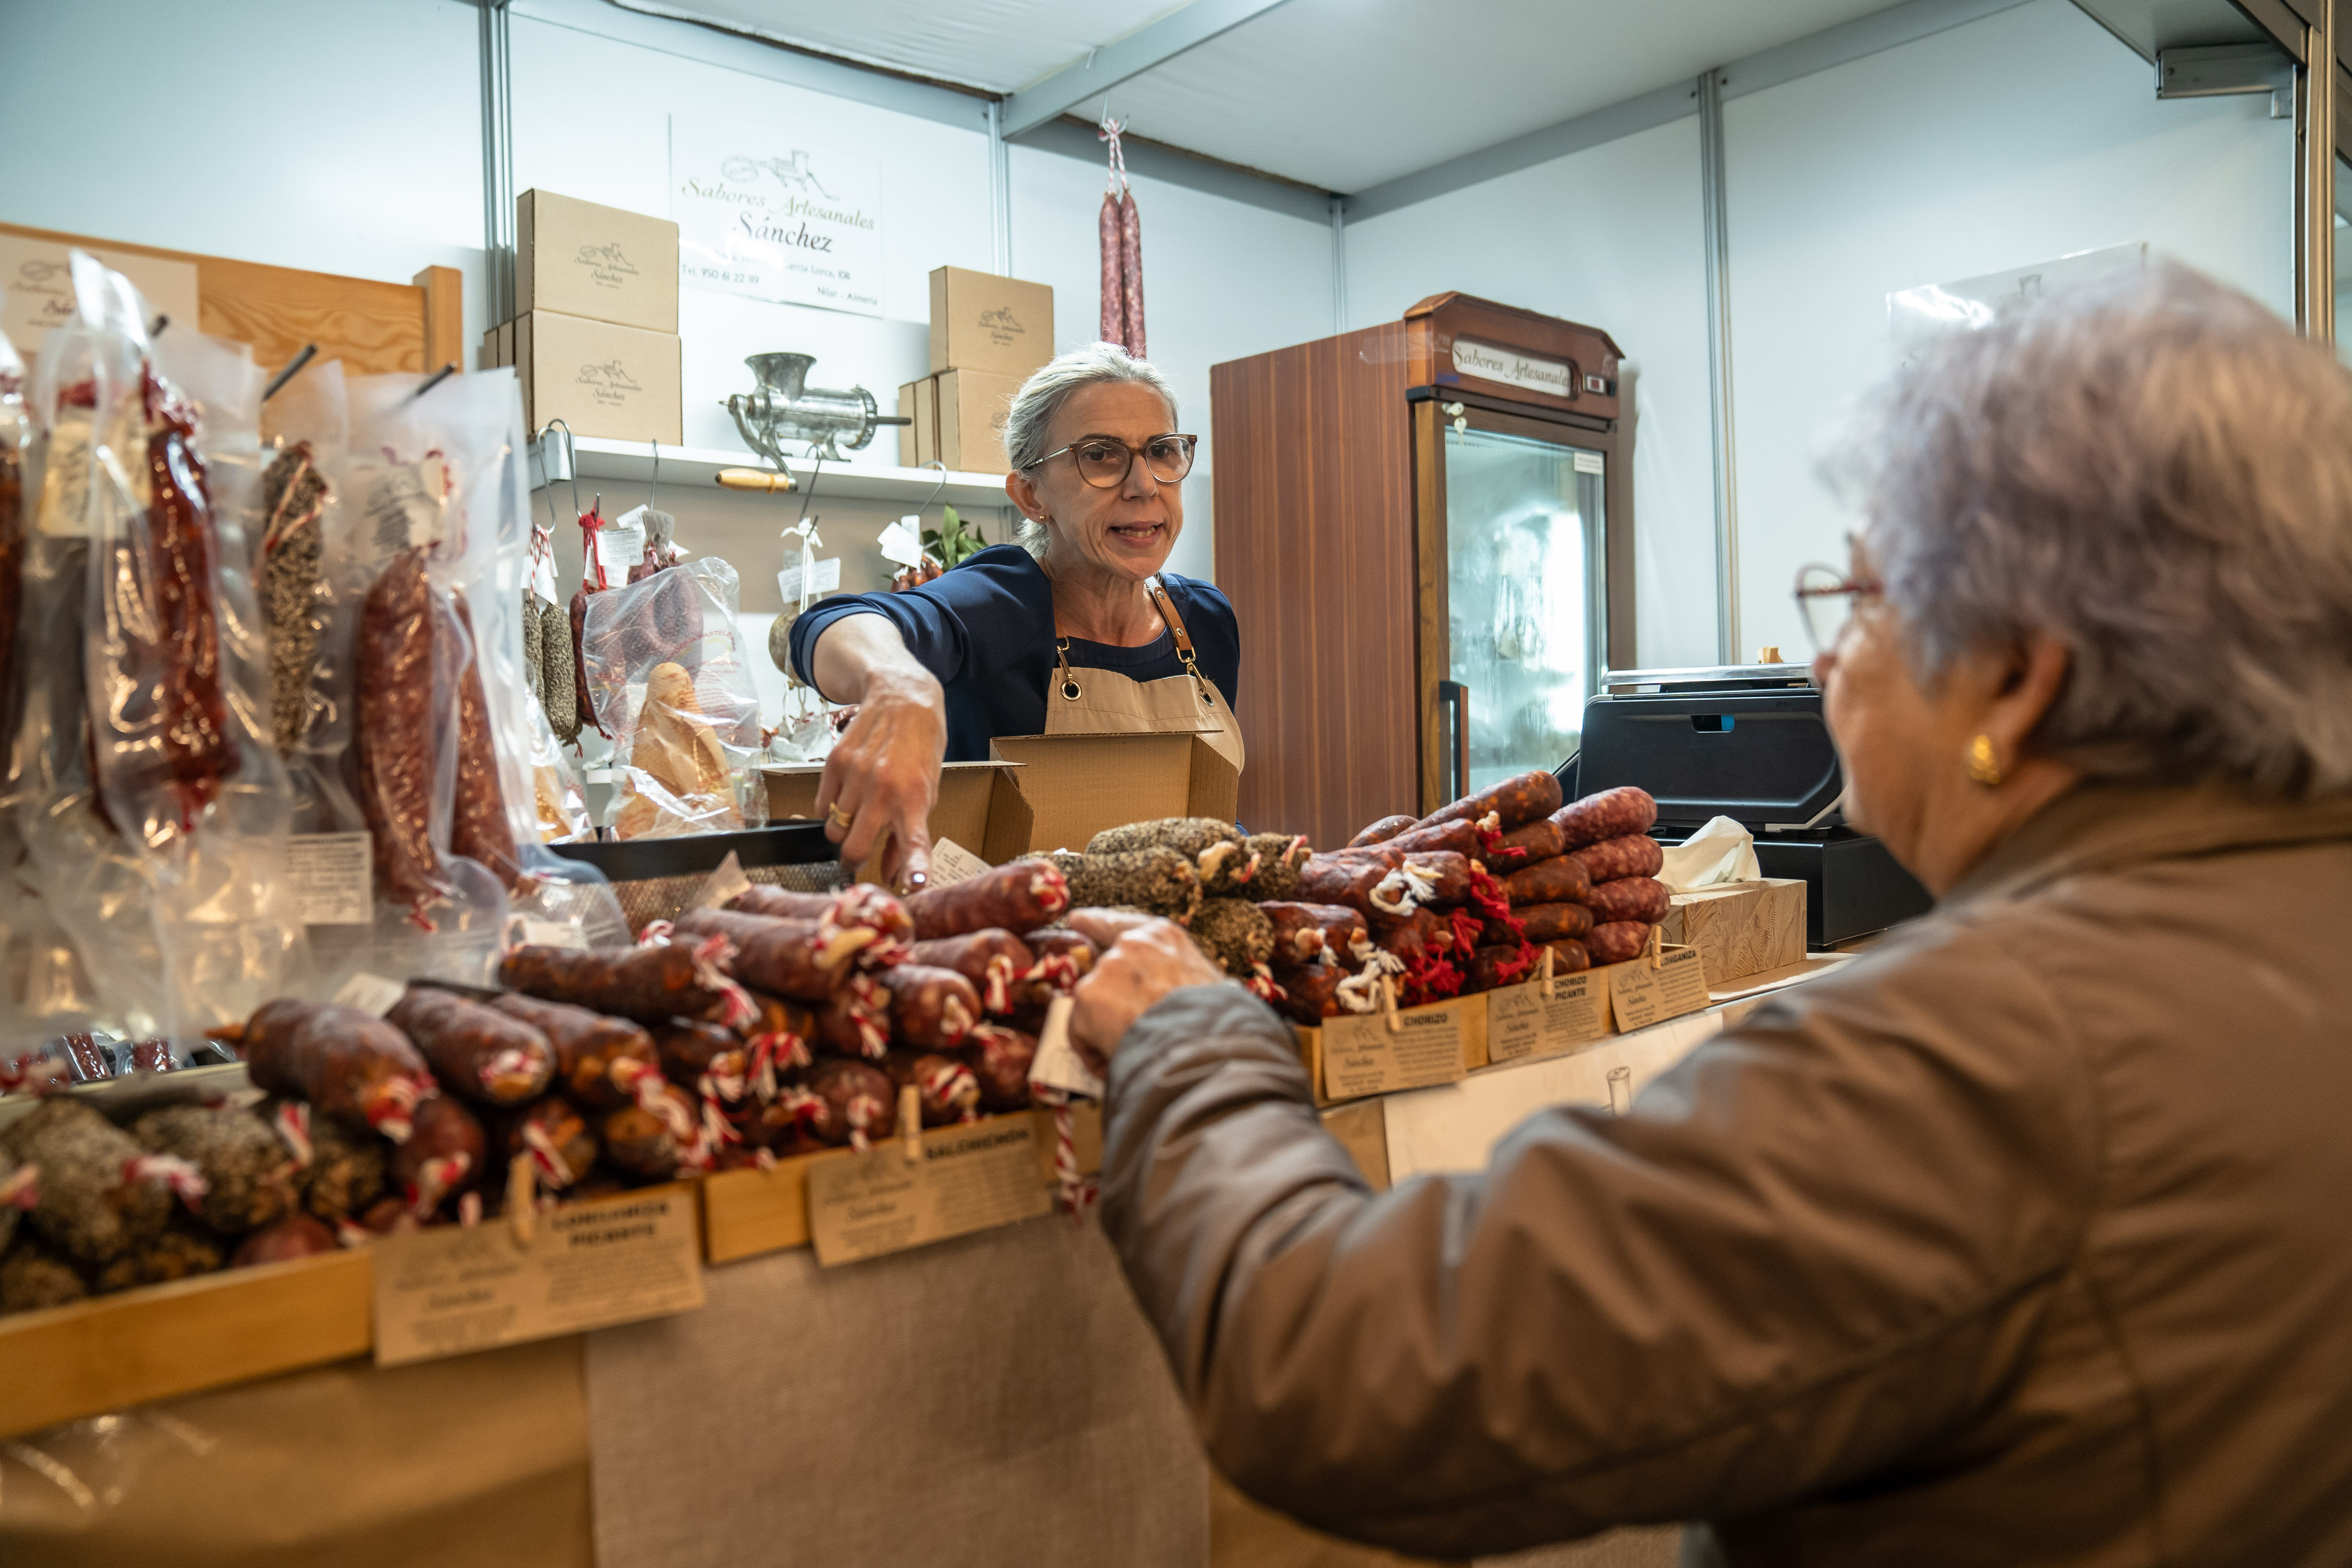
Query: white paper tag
(370, 994)
(542, 580)
(826, 579)
(524, 932)
(65, 487)
(408, 506)
(1588, 463)
(333, 877)
(952, 863)
(1058, 1064)
(902, 541)
(621, 545)
(727, 883)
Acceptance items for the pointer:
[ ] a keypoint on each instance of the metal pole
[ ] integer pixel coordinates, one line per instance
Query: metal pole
(1000, 190)
(1718, 364)
(497, 162)
(2314, 183)
(1338, 263)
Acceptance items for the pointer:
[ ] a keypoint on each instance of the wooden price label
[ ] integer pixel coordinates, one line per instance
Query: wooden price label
(1521, 1023)
(1364, 1055)
(1640, 996)
(967, 1179)
(454, 1289)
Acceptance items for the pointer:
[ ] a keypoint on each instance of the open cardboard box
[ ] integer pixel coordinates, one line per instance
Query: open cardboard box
(1052, 792)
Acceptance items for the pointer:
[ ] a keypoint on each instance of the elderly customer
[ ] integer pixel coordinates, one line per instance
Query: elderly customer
(1075, 629)
(2024, 1238)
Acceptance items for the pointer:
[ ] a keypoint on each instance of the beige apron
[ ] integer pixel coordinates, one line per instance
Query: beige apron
(1103, 701)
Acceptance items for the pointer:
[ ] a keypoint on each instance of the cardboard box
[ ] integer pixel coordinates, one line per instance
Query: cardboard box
(37, 285)
(919, 443)
(1741, 928)
(579, 258)
(972, 405)
(498, 346)
(984, 323)
(618, 383)
(1052, 791)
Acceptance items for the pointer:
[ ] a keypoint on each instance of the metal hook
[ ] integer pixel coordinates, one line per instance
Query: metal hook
(571, 452)
(435, 379)
(937, 489)
(808, 495)
(293, 368)
(656, 488)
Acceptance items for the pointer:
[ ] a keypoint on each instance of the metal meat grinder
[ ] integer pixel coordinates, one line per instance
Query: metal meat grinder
(786, 408)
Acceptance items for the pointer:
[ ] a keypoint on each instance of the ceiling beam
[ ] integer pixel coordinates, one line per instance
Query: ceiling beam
(1185, 28)
(1819, 51)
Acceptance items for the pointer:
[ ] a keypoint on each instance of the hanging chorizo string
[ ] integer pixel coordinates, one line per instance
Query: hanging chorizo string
(1121, 230)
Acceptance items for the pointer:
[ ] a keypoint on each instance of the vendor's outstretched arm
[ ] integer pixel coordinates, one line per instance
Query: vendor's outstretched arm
(1809, 1249)
(885, 770)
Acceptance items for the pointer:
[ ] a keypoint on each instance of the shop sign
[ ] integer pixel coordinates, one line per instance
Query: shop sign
(767, 216)
(1512, 368)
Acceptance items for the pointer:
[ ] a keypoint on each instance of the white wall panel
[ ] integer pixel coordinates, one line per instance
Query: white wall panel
(1609, 237)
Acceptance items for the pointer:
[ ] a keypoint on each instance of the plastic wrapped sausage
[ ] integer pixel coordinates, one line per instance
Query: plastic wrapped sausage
(1611, 859)
(349, 1064)
(1018, 898)
(1513, 803)
(442, 1159)
(806, 961)
(1612, 814)
(398, 731)
(945, 1088)
(1644, 898)
(1381, 832)
(1615, 941)
(651, 983)
(1000, 1060)
(1559, 881)
(589, 1048)
(475, 1050)
(931, 1009)
(991, 960)
(479, 828)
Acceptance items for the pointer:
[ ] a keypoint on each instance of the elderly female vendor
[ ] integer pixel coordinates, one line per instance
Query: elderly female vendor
(1075, 629)
(2026, 1236)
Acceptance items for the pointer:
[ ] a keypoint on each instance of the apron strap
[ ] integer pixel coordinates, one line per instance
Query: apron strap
(1166, 606)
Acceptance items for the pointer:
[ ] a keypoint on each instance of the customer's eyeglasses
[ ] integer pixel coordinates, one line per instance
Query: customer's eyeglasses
(1826, 599)
(1103, 463)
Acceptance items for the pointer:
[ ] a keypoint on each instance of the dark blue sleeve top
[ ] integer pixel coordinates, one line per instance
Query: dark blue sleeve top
(986, 631)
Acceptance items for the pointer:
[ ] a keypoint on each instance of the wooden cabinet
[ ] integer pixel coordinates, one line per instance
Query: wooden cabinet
(1334, 543)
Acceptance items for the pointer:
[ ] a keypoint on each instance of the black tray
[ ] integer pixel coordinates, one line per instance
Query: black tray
(642, 860)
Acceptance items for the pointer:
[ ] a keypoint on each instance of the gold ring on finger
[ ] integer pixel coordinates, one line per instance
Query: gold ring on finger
(835, 815)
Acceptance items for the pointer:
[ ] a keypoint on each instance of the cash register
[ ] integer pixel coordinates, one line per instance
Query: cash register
(1746, 742)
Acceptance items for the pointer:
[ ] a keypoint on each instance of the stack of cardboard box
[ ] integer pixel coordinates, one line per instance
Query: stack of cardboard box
(594, 337)
(988, 335)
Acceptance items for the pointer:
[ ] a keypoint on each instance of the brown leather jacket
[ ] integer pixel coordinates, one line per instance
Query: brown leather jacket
(2024, 1239)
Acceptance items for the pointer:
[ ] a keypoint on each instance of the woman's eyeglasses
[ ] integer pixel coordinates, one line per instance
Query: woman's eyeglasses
(1826, 599)
(1103, 463)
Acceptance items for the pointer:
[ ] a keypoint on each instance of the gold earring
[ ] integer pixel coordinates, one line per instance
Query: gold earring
(1984, 767)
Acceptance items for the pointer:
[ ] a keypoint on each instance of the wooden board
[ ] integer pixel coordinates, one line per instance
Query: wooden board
(1314, 509)
(166, 1340)
(747, 1212)
(373, 328)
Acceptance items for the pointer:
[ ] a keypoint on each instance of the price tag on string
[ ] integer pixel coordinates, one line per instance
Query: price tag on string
(333, 878)
(825, 579)
(952, 863)
(370, 994)
(524, 932)
(1058, 1064)
(408, 506)
(902, 541)
(621, 545)
(542, 579)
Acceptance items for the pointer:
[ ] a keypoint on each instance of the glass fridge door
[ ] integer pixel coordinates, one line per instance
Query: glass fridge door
(1526, 596)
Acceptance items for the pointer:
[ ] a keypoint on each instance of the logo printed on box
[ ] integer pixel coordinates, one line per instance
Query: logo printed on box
(607, 383)
(607, 267)
(1002, 326)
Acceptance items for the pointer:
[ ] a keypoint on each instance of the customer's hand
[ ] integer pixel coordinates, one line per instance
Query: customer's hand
(884, 776)
(1143, 966)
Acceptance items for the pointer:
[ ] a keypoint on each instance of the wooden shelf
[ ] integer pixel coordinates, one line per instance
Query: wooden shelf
(698, 468)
